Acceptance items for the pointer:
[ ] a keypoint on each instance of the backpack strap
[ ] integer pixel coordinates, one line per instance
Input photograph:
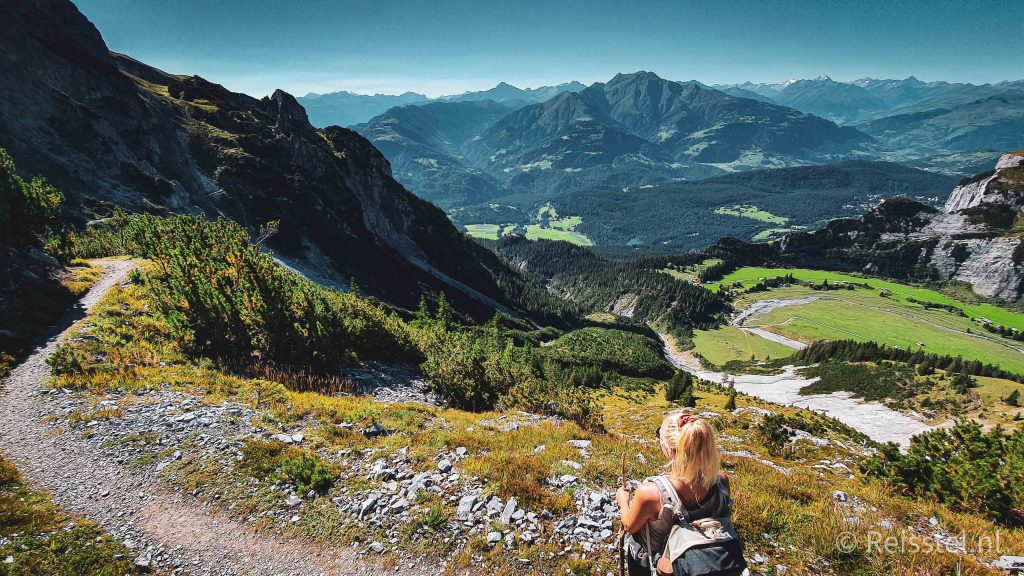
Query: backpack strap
(669, 497)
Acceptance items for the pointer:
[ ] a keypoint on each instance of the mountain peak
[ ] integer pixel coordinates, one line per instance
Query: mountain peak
(823, 77)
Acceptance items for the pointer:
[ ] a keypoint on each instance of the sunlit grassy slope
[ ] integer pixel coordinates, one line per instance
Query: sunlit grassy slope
(900, 292)
(785, 504)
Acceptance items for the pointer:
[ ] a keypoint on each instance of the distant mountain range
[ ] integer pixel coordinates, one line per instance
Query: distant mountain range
(869, 99)
(633, 130)
(347, 109)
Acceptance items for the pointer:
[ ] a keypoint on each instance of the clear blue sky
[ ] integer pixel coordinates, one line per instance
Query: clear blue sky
(450, 46)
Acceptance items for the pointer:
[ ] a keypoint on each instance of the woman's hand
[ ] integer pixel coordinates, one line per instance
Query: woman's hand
(622, 498)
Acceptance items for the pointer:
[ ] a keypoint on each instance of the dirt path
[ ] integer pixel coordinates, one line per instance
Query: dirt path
(180, 533)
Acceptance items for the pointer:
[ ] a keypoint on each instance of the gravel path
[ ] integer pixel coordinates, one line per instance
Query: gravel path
(874, 419)
(177, 533)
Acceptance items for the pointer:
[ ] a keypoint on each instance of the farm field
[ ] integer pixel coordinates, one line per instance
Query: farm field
(486, 231)
(752, 212)
(900, 292)
(862, 314)
(729, 343)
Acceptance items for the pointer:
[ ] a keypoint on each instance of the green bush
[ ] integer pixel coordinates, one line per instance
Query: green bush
(963, 467)
(29, 210)
(226, 299)
(1013, 399)
(67, 360)
(309, 473)
(276, 460)
(680, 388)
(626, 353)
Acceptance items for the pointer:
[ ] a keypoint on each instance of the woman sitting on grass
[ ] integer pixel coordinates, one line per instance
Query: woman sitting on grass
(696, 483)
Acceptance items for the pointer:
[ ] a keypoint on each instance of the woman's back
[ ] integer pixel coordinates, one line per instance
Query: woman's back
(714, 503)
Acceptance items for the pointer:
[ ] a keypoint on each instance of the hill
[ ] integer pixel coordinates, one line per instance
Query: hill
(112, 132)
(974, 239)
(756, 205)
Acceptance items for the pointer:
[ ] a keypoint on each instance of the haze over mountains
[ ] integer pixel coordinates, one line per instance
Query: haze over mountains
(496, 156)
(346, 108)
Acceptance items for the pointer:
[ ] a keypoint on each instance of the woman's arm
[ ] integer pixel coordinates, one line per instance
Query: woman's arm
(645, 506)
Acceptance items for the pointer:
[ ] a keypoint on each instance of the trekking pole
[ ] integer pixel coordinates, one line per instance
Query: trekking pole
(622, 527)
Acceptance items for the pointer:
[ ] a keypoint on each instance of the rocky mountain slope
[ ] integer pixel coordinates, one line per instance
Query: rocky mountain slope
(975, 239)
(425, 146)
(110, 131)
(634, 130)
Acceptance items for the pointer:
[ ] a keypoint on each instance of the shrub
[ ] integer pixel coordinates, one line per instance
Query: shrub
(679, 383)
(627, 353)
(29, 210)
(1013, 399)
(964, 467)
(67, 360)
(277, 460)
(226, 299)
(309, 473)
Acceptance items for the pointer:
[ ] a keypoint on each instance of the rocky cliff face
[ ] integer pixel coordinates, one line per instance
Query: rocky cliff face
(111, 131)
(977, 238)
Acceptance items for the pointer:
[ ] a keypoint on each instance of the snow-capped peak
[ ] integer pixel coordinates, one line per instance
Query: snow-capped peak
(823, 77)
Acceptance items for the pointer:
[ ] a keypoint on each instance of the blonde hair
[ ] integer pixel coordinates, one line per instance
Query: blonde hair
(693, 446)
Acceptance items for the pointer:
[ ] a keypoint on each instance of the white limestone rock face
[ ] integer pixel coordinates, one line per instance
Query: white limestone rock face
(975, 193)
(990, 269)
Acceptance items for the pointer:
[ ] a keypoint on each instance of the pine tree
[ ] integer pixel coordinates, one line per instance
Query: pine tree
(1013, 399)
(730, 404)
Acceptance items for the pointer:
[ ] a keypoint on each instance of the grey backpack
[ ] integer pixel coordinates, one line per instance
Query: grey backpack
(700, 546)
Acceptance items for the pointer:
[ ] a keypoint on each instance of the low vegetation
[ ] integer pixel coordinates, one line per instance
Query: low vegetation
(964, 467)
(35, 289)
(39, 539)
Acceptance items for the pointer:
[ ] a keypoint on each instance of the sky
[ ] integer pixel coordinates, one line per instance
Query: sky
(451, 46)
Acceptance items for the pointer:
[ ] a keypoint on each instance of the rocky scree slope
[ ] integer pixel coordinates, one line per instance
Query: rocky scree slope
(976, 238)
(110, 131)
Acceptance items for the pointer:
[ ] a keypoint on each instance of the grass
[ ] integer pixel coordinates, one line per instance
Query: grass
(689, 273)
(752, 212)
(866, 316)
(788, 517)
(563, 229)
(486, 231)
(27, 312)
(539, 232)
(770, 233)
(729, 343)
(40, 539)
(900, 292)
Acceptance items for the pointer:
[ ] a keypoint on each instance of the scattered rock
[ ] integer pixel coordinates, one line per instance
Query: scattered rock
(510, 509)
(1010, 564)
(465, 509)
(840, 496)
(493, 538)
(444, 466)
